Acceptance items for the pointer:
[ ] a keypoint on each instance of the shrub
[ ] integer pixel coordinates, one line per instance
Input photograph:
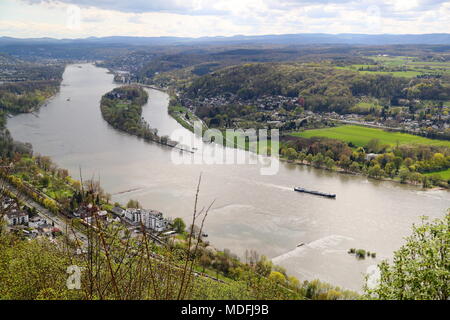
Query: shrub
(360, 253)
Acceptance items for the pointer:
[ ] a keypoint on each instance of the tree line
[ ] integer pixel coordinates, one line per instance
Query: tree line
(407, 163)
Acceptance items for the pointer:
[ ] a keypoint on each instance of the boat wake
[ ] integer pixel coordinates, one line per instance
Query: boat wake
(320, 244)
(126, 191)
(230, 208)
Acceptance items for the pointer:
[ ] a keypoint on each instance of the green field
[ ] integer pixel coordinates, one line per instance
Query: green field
(412, 66)
(444, 174)
(360, 136)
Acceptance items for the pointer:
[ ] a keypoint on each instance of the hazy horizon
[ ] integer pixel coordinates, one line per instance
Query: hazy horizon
(231, 36)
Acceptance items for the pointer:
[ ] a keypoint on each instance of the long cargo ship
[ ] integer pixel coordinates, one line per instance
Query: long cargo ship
(317, 193)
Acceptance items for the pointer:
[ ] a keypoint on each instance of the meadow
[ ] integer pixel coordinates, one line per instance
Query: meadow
(444, 174)
(400, 66)
(360, 136)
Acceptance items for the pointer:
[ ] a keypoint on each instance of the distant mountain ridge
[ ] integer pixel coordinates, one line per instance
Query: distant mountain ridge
(296, 39)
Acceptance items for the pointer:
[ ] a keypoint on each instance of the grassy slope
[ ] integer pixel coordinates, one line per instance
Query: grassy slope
(360, 136)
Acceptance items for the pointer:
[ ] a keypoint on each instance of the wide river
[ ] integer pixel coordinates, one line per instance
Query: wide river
(251, 211)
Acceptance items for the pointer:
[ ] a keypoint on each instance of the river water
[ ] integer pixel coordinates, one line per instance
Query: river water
(251, 211)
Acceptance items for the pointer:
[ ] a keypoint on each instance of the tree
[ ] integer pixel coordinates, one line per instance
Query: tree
(420, 269)
(374, 145)
(426, 182)
(415, 177)
(277, 277)
(50, 205)
(355, 167)
(344, 161)
(408, 162)
(375, 171)
(291, 154)
(301, 156)
(398, 162)
(404, 175)
(329, 163)
(164, 139)
(390, 169)
(318, 160)
(179, 225)
(205, 261)
(133, 204)
(45, 181)
(263, 267)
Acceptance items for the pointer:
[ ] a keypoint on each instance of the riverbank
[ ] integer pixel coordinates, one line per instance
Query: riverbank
(346, 172)
(176, 111)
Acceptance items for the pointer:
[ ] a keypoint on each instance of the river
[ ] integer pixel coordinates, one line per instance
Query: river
(251, 211)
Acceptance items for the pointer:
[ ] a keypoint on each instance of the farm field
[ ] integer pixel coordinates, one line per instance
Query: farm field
(360, 136)
(400, 66)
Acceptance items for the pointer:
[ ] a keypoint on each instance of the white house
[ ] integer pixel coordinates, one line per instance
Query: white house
(149, 218)
(371, 156)
(16, 217)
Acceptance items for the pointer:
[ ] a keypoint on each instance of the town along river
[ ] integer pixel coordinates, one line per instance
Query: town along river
(251, 211)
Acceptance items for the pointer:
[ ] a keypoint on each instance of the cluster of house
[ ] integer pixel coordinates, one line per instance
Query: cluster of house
(90, 212)
(131, 63)
(151, 219)
(122, 76)
(264, 103)
(403, 120)
(116, 95)
(19, 219)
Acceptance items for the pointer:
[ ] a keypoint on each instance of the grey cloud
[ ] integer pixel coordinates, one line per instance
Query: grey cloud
(140, 6)
(276, 7)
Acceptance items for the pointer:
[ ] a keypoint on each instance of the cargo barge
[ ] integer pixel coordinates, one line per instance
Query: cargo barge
(317, 193)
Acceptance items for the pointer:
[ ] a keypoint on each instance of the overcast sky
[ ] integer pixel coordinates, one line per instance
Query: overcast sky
(195, 18)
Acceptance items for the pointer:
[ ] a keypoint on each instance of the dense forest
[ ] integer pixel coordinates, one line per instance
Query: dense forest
(26, 96)
(122, 108)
